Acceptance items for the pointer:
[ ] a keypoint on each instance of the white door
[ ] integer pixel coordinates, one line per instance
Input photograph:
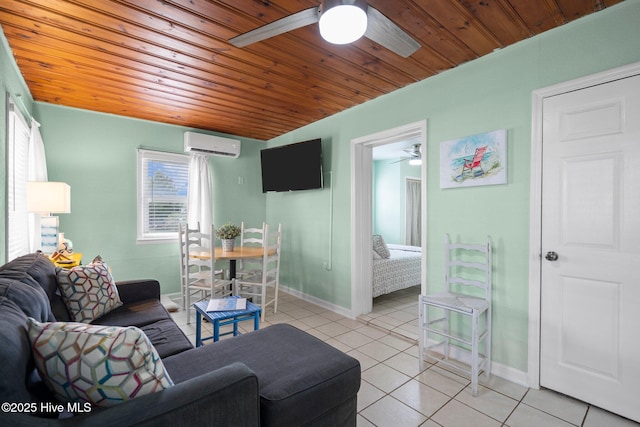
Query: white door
(590, 302)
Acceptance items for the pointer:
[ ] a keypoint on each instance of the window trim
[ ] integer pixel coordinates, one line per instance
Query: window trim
(142, 156)
(16, 123)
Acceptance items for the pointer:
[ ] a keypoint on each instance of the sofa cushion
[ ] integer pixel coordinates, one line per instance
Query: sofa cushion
(28, 296)
(15, 353)
(294, 390)
(104, 365)
(135, 314)
(89, 291)
(167, 337)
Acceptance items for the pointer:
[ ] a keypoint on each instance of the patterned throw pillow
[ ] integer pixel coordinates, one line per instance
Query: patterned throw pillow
(88, 291)
(103, 365)
(380, 247)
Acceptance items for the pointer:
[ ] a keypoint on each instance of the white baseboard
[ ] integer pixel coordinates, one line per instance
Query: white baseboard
(317, 301)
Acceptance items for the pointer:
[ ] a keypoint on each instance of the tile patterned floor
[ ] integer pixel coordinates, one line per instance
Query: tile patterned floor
(395, 391)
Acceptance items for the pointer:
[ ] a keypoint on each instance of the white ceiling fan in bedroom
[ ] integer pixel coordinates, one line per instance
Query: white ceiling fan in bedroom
(340, 22)
(415, 155)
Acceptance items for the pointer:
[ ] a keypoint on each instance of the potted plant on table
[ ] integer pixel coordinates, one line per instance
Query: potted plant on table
(227, 235)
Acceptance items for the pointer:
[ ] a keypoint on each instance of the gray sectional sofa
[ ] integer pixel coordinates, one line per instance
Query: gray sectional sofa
(278, 376)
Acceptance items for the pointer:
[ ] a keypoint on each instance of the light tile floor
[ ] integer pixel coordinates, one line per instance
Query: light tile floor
(395, 391)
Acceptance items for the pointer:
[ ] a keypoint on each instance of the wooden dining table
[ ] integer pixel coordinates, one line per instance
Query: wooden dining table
(238, 252)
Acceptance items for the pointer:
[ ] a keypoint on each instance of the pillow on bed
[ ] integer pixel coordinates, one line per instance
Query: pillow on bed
(380, 247)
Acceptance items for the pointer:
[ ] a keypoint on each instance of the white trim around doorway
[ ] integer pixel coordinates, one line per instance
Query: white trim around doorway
(361, 209)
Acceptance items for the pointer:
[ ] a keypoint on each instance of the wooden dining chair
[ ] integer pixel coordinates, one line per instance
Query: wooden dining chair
(198, 276)
(262, 284)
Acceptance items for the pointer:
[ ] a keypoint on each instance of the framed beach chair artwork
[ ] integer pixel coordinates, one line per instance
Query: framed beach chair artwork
(474, 160)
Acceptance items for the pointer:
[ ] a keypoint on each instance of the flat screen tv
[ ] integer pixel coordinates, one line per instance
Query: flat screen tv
(292, 167)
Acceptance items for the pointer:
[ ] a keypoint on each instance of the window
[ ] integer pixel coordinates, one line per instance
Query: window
(162, 195)
(17, 174)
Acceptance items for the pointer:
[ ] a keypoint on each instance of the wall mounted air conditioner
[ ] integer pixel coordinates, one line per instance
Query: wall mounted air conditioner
(210, 144)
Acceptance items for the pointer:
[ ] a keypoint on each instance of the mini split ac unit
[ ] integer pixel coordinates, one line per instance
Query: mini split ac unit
(210, 144)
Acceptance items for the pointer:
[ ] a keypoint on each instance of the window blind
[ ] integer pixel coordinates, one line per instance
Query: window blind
(17, 174)
(162, 194)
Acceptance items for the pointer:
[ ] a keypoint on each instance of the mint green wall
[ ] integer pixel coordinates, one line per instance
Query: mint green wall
(490, 93)
(389, 198)
(11, 83)
(96, 155)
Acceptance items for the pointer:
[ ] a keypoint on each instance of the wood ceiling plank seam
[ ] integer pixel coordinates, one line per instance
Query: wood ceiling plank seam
(258, 83)
(430, 33)
(518, 29)
(538, 19)
(574, 10)
(462, 25)
(285, 81)
(555, 12)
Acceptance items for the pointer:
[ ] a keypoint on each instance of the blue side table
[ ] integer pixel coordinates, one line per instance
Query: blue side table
(222, 318)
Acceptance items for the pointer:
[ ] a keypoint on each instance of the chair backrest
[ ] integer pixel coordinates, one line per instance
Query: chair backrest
(477, 158)
(251, 236)
(271, 255)
(468, 266)
(194, 243)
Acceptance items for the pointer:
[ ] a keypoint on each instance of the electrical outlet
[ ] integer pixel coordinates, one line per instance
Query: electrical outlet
(241, 180)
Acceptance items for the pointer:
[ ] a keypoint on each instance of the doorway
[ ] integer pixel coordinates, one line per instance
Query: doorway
(584, 240)
(361, 208)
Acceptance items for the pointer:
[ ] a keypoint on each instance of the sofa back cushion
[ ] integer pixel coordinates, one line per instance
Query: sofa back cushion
(37, 269)
(19, 380)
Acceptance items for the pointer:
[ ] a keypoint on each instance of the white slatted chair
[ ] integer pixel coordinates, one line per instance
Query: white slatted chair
(461, 337)
(262, 285)
(199, 278)
(250, 236)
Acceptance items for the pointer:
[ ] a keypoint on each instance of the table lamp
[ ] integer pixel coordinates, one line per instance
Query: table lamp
(45, 198)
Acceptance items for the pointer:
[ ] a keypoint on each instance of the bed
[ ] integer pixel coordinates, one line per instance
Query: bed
(401, 270)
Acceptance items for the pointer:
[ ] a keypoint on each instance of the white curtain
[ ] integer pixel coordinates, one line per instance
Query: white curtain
(199, 197)
(36, 171)
(413, 213)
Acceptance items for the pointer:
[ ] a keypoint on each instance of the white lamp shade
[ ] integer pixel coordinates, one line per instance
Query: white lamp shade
(48, 197)
(342, 23)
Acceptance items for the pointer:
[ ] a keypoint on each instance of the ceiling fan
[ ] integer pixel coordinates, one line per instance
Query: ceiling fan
(415, 156)
(340, 22)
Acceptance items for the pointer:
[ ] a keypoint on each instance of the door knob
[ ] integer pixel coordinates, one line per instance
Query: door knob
(551, 256)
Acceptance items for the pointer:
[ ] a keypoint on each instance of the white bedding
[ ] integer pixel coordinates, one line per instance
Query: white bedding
(400, 271)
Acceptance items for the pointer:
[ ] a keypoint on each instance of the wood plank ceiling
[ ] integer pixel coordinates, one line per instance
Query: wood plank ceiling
(169, 60)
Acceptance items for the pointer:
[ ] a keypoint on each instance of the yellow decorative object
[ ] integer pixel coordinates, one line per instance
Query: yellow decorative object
(66, 260)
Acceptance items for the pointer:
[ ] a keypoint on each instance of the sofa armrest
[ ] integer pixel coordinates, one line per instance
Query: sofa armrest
(224, 397)
(131, 291)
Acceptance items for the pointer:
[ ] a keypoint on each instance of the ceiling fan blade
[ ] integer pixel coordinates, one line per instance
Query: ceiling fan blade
(283, 25)
(400, 160)
(383, 31)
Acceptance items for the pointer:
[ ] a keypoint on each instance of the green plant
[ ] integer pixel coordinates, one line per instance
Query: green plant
(228, 231)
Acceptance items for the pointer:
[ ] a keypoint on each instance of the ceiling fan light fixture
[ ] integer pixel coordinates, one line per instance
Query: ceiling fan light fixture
(415, 162)
(343, 21)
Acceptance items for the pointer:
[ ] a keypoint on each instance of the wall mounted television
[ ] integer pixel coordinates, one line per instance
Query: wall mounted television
(292, 167)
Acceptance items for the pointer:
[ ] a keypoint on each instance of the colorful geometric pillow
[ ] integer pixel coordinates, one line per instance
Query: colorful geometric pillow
(88, 291)
(103, 365)
(380, 247)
